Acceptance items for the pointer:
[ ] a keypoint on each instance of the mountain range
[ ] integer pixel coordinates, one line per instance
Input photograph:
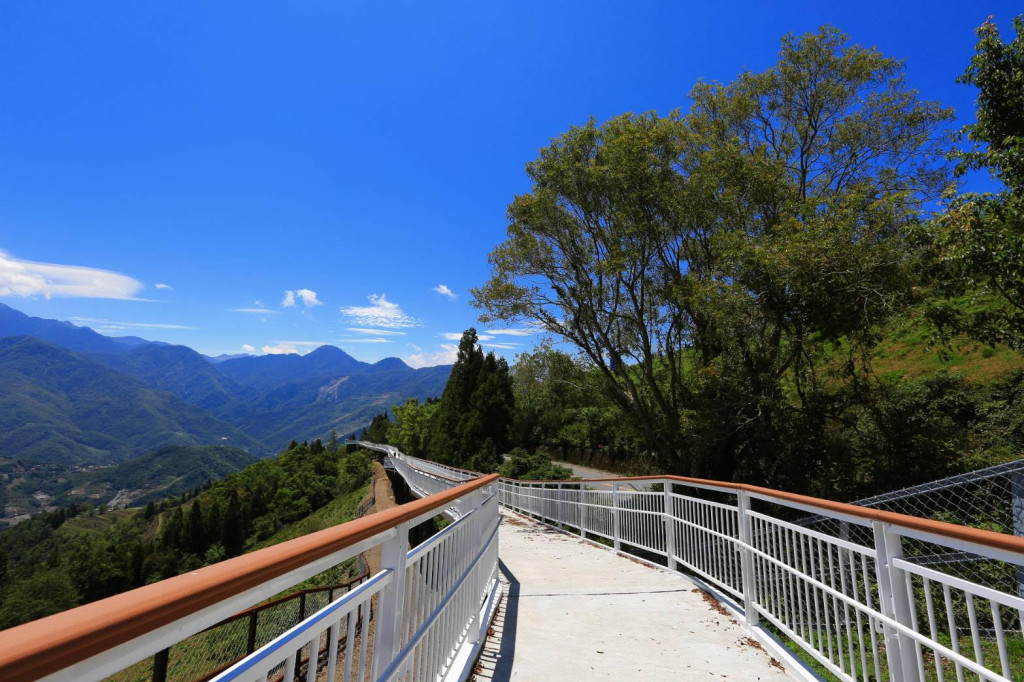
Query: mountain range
(75, 396)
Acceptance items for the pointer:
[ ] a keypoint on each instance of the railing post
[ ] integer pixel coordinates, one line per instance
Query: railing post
(387, 632)
(250, 642)
(583, 509)
(616, 538)
(746, 558)
(160, 665)
(1017, 506)
(472, 503)
(894, 602)
(670, 528)
(559, 505)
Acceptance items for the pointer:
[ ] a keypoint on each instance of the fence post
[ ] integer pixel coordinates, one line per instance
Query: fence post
(160, 665)
(583, 508)
(616, 538)
(1017, 497)
(670, 527)
(560, 505)
(894, 602)
(746, 557)
(250, 642)
(387, 634)
(473, 503)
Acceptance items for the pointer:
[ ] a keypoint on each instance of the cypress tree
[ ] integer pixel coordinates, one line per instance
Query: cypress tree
(232, 535)
(196, 536)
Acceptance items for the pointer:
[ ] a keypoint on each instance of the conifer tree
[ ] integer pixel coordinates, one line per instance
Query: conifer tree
(232, 535)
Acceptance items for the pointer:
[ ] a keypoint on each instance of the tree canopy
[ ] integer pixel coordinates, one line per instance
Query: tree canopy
(725, 271)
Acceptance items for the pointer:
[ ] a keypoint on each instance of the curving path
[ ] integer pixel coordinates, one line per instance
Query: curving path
(573, 611)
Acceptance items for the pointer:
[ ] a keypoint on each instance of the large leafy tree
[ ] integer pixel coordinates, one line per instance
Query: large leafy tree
(980, 238)
(713, 266)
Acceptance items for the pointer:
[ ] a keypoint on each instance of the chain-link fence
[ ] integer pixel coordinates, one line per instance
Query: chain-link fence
(207, 653)
(991, 498)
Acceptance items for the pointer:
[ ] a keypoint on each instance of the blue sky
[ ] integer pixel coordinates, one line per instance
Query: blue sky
(212, 157)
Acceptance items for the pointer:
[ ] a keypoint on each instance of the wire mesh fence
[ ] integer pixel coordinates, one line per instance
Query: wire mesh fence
(992, 499)
(205, 654)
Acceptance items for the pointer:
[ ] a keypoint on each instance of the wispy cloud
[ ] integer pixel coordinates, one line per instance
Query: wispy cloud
(380, 313)
(248, 349)
(111, 325)
(529, 331)
(363, 339)
(375, 332)
(50, 280)
(445, 291)
(447, 355)
(163, 286)
(307, 296)
(255, 311)
(457, 336)
(503, 346)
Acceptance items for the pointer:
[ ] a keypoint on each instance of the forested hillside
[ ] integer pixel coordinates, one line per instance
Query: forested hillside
(31, 487)
(58, 406)
(82, 553)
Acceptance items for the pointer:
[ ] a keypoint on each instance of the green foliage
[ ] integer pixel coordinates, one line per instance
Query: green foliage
(978, 242)
(726, 272)
(522, 465)
(40, 594)
(471, 425)
(109, 553)
(411, 431)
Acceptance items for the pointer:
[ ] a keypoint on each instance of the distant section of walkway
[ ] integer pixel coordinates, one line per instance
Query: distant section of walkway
(587, 472)
(573, 611)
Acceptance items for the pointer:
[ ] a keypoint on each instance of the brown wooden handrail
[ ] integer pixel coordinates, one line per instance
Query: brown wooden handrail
(48, 645)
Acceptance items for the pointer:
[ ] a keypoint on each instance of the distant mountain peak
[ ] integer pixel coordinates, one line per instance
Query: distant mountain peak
(390, 363)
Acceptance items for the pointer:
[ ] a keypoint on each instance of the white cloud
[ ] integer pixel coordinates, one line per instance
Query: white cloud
(380, 313)
(504, 346)
(445, 291)
(255, 311)
(111, 325)
(529, 331)
(247, 348)
(307, 296)
(349, 339)
(446, 356)
(27, 279)
(457, 336)
(259, 303)
(415, 347)
(287, 347)
(375, 332)
(163, 286)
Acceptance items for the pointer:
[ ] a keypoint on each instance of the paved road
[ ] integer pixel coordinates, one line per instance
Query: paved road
(575, 612)
(587, 472)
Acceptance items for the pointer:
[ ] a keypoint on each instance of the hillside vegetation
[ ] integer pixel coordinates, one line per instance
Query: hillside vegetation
(76, 555)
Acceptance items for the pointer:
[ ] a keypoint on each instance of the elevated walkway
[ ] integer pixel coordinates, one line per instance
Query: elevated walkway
(573, 611)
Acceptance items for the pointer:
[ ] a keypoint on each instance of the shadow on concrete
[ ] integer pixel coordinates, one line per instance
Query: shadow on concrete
(507, 650)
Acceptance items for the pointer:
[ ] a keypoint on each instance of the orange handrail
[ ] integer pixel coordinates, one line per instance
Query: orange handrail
(48, 645)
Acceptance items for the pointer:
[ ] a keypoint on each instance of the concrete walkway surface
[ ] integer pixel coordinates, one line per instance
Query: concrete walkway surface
(573, 611)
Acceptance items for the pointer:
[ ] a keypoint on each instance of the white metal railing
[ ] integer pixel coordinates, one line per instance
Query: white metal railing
(430, 605)
(859, 604)
(433, 609)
